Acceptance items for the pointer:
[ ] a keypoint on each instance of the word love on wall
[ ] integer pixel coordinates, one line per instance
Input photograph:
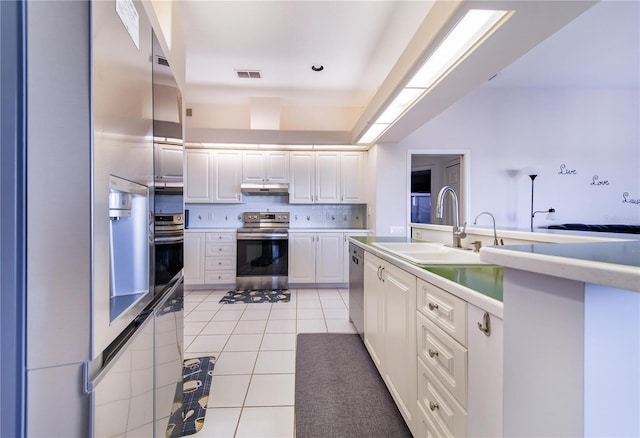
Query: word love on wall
(596, 181)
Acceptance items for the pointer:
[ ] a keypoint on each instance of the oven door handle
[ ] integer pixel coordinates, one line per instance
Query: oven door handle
(172, 239)
(263, 236)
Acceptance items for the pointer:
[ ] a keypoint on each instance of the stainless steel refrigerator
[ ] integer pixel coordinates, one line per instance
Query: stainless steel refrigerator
(94, 320)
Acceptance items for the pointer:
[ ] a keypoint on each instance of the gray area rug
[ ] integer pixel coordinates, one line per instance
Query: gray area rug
(339, 392)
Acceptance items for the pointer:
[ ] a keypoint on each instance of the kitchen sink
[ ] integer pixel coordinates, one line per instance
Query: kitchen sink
(430, 253)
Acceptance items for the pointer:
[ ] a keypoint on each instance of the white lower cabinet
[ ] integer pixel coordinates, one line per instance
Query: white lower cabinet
(373, 310)
(440, 356)
(390, 297)
(220, 260)
(210, 258)
(194, 254)
(439, 406)
(316, 257)
(484, 386)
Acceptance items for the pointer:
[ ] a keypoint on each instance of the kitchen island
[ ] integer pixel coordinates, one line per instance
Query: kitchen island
(571, 339)
(434, 332)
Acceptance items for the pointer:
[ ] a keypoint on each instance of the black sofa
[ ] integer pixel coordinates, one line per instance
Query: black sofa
(613, 228)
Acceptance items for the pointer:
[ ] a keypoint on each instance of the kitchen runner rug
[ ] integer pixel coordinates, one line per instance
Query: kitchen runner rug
(192, 396)
(339, 392)
(257, 296)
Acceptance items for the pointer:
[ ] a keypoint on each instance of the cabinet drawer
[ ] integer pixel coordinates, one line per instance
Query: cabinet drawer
(444, 356)
(425, 426)
(446, 310)
(221, 237)
(439, 405)
(218, 263)
(220, 250)
(223, 276)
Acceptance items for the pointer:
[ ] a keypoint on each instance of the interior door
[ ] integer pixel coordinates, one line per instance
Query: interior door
(452, 178)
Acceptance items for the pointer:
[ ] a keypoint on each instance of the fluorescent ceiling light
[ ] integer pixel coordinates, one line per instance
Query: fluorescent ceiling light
(373, 132)
(467, 33)
(473, 26)
(402, 101)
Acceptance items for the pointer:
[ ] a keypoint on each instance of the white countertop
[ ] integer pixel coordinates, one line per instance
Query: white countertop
(291, 230)
(614, 264)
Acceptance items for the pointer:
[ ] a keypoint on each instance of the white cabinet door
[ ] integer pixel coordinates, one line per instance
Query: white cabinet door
(302, 177)
(194, 257)
(302, 258)
(329, 257)
(352, 177)
(198, 181)
(169, 166)
(259, 167)
(276, 165)
(253, 167)
(484, 390)
(373, 310)
(400, 366)
(227, 176)
(327, 177)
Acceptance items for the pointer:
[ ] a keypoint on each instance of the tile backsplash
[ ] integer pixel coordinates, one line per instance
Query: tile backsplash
(301, 216)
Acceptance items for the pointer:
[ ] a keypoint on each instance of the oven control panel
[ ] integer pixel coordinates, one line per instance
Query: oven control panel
(264, 218)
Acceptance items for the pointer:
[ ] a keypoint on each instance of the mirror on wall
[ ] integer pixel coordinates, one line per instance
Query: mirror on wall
(429, 173)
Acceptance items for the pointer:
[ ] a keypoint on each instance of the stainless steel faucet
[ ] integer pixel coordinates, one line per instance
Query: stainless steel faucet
(458, 233)
(495, 235)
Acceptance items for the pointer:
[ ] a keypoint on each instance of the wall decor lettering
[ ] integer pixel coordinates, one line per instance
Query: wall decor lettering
(596, 181)
(565, 171)
(627, 200)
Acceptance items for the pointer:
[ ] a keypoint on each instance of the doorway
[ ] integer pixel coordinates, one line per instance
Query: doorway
(429, 172)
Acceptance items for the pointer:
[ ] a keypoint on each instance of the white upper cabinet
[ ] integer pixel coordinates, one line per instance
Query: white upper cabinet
(198, 179)
(302, 177)
(352, 174)
(213, 176)
(227, 176)
(265, 166)
(326, 177)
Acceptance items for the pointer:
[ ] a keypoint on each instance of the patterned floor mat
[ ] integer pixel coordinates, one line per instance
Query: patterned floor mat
(257, 296)
(190, 402)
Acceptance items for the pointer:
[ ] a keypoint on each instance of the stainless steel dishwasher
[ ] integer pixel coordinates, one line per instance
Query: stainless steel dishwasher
(356, 288)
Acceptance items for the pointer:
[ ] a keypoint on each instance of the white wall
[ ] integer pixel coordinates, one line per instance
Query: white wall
(513, 133)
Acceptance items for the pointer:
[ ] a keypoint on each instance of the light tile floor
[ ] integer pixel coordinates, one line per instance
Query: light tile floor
(252, 391)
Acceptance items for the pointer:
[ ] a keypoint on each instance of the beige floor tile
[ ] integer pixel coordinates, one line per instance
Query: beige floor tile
(266, 422)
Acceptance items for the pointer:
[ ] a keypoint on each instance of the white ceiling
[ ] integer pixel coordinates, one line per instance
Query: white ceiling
(362, 47)
(357, 42)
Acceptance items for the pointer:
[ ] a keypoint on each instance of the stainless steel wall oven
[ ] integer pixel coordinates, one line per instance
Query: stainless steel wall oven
(263, 251)
(169, 242)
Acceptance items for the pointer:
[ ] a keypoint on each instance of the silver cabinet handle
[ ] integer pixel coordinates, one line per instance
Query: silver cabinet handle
(433, 406)
(433, 306)
(485, 326)
(433, 353)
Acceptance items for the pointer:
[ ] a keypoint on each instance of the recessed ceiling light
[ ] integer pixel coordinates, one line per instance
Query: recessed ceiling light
(317, 67)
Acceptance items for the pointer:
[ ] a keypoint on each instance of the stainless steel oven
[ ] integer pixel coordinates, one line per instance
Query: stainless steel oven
(263, 251)
(169, 242)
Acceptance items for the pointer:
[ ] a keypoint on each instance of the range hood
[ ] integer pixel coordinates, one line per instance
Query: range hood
(265, 189)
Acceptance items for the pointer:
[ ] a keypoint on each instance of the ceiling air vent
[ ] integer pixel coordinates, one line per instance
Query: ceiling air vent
(162, 61)
(250, 74)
